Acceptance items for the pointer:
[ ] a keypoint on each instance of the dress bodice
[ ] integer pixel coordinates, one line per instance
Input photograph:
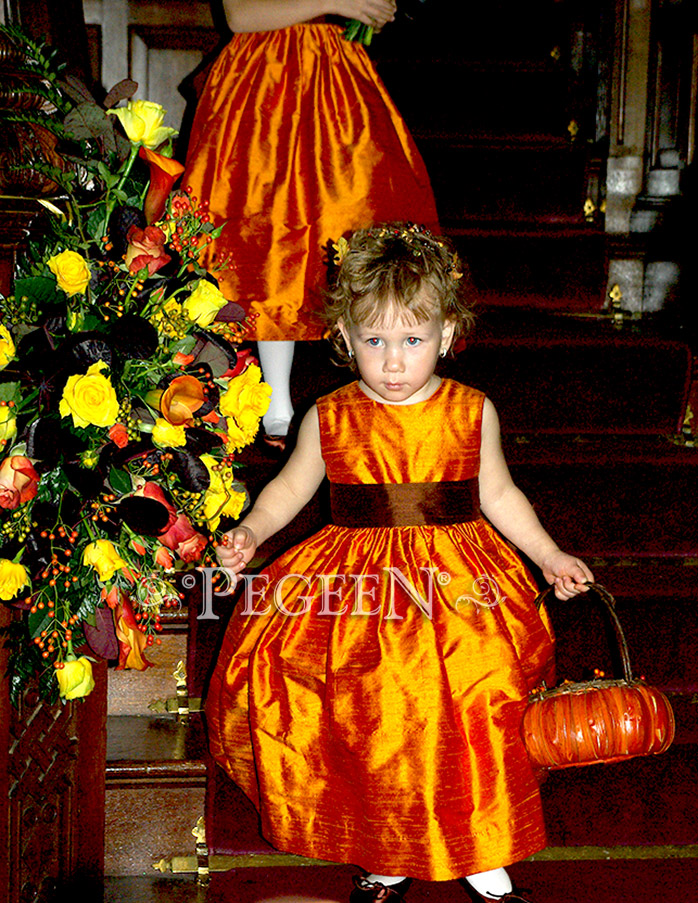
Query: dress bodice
(364, 441)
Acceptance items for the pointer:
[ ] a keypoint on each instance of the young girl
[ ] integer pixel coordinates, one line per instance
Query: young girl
(295, 140)
(371, 685)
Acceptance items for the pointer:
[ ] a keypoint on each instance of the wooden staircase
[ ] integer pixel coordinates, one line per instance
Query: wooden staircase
(156, 772)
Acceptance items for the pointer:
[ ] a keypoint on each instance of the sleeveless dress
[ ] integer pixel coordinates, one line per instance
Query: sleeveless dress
(295, 142)
(370, 688)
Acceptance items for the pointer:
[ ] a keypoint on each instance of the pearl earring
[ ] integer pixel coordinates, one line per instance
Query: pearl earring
(443, 352)
(350, 353)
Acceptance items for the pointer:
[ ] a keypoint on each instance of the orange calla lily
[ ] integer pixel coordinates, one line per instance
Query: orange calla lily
(164, 172)
(181, 399)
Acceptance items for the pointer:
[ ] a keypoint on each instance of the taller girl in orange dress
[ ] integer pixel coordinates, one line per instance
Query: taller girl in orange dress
(370, 689)
(295, 140)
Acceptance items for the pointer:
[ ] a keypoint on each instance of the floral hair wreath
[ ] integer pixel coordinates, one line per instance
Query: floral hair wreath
(412, 234)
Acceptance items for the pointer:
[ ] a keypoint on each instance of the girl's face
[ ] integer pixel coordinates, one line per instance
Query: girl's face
(396, 356)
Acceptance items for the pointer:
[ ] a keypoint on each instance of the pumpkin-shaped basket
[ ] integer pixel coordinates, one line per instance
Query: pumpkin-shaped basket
(598, 720)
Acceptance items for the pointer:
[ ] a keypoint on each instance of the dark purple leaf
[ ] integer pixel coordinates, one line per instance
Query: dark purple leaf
(89, 348)
(231, 313)
(101, 638)
(144, 515)
(190, 470)
(134, 337)
(122, 90)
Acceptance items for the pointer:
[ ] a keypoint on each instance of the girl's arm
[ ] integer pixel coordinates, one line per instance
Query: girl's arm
(508, 509)
(269, 15)
(280, 500)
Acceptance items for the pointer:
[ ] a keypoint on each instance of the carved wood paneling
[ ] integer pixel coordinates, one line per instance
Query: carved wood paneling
(52, 784)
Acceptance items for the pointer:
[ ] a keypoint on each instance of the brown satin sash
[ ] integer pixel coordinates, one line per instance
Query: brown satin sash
(404, 504)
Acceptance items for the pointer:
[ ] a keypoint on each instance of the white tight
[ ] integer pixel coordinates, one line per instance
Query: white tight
(276, 359)
(494, 883)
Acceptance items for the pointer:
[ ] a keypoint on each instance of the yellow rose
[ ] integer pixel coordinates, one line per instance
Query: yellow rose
(8, 423)
(75, 678)
(13, 577)
(238, 438)
(246, 391)
(71, 271)
(7, 347)
(168, 435)
(221, 498)
(104, 558)
(248, 420)
(90, 398)
(204, 303)
(142, 121)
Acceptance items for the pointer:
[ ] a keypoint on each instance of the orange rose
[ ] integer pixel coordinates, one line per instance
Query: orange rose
(18, 481)
(163, 558)
(183, 539)
(146, 248)
(119, 435)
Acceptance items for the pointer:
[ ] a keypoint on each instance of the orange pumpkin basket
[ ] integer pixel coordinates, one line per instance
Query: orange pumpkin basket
(598, 720)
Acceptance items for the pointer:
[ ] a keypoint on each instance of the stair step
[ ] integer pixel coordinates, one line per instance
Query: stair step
(600, 876)
(509, 183)
(129, 692)
(645, 801)
(603, 880)
(170, 889)
(524, 98)
(155, 790)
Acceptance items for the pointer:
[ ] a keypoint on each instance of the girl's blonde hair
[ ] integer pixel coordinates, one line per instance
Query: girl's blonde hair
(385, 267)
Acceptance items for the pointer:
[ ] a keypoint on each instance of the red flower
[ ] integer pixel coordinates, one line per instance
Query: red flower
(18, 481)
(164, 172)
(245, 358)
(146, 248)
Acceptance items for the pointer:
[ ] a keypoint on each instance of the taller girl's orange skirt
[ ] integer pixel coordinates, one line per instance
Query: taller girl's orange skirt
(296, 142)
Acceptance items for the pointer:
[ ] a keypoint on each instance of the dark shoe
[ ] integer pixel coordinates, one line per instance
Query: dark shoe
(280, 443)
(276, 442)
(370, 892)
(513, 897)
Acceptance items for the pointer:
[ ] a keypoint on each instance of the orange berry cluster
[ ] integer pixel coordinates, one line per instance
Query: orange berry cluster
(103, 509)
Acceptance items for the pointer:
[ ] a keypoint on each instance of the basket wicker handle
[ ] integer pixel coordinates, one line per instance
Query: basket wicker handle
(610, 604)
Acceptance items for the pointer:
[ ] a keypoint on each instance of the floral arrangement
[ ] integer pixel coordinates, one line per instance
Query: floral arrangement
(124, 393)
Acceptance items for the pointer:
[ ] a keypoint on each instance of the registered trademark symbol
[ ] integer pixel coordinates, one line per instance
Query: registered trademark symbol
(443, 577)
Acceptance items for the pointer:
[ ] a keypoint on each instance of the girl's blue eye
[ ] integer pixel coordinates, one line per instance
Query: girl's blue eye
(413, 340)
(374, 343)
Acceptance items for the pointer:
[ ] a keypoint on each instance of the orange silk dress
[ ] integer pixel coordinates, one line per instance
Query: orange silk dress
(375, 719)
(295, 141)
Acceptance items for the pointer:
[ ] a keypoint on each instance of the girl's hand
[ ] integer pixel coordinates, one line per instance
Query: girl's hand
(235, 554)
(376, 13)
(567, 573)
